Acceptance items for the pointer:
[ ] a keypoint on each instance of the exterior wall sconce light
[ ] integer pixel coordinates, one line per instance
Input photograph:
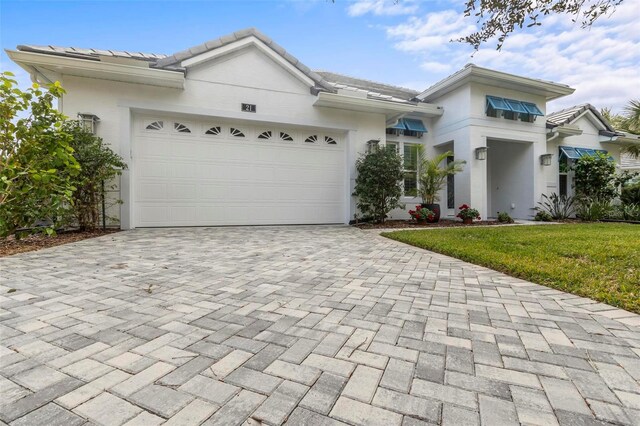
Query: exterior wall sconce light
(545, 159)
(88, 121)
(481, 153)
(372, 145)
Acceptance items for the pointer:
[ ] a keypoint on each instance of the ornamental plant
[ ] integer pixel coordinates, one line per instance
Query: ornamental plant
(421, 213)
(37, 165)
(379, 183)
(99, 165)
(467, 212)
(595, 178)
(433, 173)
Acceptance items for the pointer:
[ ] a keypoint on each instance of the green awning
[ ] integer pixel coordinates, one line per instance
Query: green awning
(415, 125)
(412, 124)
(569, 153)
(498, 103)
(532, 109)
(576, 153)
(516, 106)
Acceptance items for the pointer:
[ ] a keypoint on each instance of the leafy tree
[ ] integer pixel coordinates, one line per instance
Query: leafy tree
(628, 121)
(378, 184)
(98, 164)
(36, 160)
(595, 178)
(503, 17)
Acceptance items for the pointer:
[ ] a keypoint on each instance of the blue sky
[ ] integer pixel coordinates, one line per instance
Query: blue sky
(405, 44)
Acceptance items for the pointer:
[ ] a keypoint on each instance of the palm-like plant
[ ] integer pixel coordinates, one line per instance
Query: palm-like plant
(628, 121)
(631, 124)
(432, 176)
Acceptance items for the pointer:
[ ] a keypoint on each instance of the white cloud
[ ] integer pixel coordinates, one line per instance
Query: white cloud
(382, 7)
(601, 62)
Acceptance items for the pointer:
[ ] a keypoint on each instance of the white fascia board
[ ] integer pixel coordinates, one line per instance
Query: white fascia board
(97, 69)
(472, 73)
(242, 44)
(621, 140)
(335, 100)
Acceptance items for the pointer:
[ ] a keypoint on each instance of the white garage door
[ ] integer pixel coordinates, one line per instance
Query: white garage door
(191, 173)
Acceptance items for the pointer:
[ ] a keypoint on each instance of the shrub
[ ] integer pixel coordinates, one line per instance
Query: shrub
(593, 209)
(467, 212)
(595, 177)
(559, 207)
(98, 164)
(378, 184)
(503, 217)
(421, 213)
(630, 194)
(36, 160)
(542, 216)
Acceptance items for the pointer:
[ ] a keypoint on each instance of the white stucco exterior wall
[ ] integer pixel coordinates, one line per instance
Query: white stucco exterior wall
(216, 89)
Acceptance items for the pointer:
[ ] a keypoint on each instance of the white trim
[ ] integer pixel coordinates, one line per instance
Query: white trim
(335, 100)
(474, 73)
(243, 44)
(96, 69)
(268, 120)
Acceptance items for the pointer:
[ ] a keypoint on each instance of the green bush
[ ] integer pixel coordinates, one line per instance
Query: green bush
(37, 165)
(542, 216)
(593, 209)
(503, 217)
(558, 207)
(98, 164)
(378, 184)
(595, 177)
(630, 194)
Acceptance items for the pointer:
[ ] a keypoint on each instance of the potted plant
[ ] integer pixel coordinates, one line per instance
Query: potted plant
(467, 214)
(432, 178)
(422, 214)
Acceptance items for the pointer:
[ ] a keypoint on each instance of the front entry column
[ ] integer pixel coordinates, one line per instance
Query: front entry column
(471, 183)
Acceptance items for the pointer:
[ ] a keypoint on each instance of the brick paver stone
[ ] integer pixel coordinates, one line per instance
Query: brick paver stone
(305, 325)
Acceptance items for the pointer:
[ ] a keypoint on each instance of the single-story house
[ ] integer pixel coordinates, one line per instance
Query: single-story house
(237, 131)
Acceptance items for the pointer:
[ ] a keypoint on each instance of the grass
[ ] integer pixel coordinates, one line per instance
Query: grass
(600, 261)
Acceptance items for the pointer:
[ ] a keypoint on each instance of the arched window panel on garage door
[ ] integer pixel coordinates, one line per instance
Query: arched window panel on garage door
(236, 132)
(266, 135)
(330, 141)
(181, 128)
(312, 139)
(155, 125)
(213, 131)
(286, 137)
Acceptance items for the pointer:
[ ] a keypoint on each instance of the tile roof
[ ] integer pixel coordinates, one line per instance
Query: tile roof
(373, 89)
(177, 58)
(567, 115)
(91, 54)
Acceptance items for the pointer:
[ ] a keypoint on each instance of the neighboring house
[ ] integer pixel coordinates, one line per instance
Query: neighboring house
(236, 131)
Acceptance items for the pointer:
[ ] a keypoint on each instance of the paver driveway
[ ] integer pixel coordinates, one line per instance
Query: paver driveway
(304, 325)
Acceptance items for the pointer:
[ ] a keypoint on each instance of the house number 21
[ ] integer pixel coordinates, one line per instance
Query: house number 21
(248, 107)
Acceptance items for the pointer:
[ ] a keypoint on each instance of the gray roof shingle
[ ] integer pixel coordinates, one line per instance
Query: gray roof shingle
(567, 115)
(374, 89)
(91, 54)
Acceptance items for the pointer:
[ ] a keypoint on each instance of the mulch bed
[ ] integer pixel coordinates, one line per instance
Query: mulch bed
(10, 246)
(443, 223)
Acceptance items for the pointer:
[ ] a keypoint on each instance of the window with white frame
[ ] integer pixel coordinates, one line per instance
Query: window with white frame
(410, 162)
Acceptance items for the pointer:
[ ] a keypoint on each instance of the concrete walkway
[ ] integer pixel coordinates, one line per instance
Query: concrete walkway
(303, 326)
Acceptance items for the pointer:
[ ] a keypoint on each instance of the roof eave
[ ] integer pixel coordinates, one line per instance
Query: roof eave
(472, 73)
(64, 65)
(352, 103)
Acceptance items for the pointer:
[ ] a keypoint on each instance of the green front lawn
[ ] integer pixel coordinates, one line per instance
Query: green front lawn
(600, 261)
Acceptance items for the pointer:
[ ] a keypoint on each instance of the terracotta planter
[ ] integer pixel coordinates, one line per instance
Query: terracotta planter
(421, 221)
(467, 221)
(435, 208)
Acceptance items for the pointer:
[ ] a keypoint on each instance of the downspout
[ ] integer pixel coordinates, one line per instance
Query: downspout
(33, 75)
(554, 134)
